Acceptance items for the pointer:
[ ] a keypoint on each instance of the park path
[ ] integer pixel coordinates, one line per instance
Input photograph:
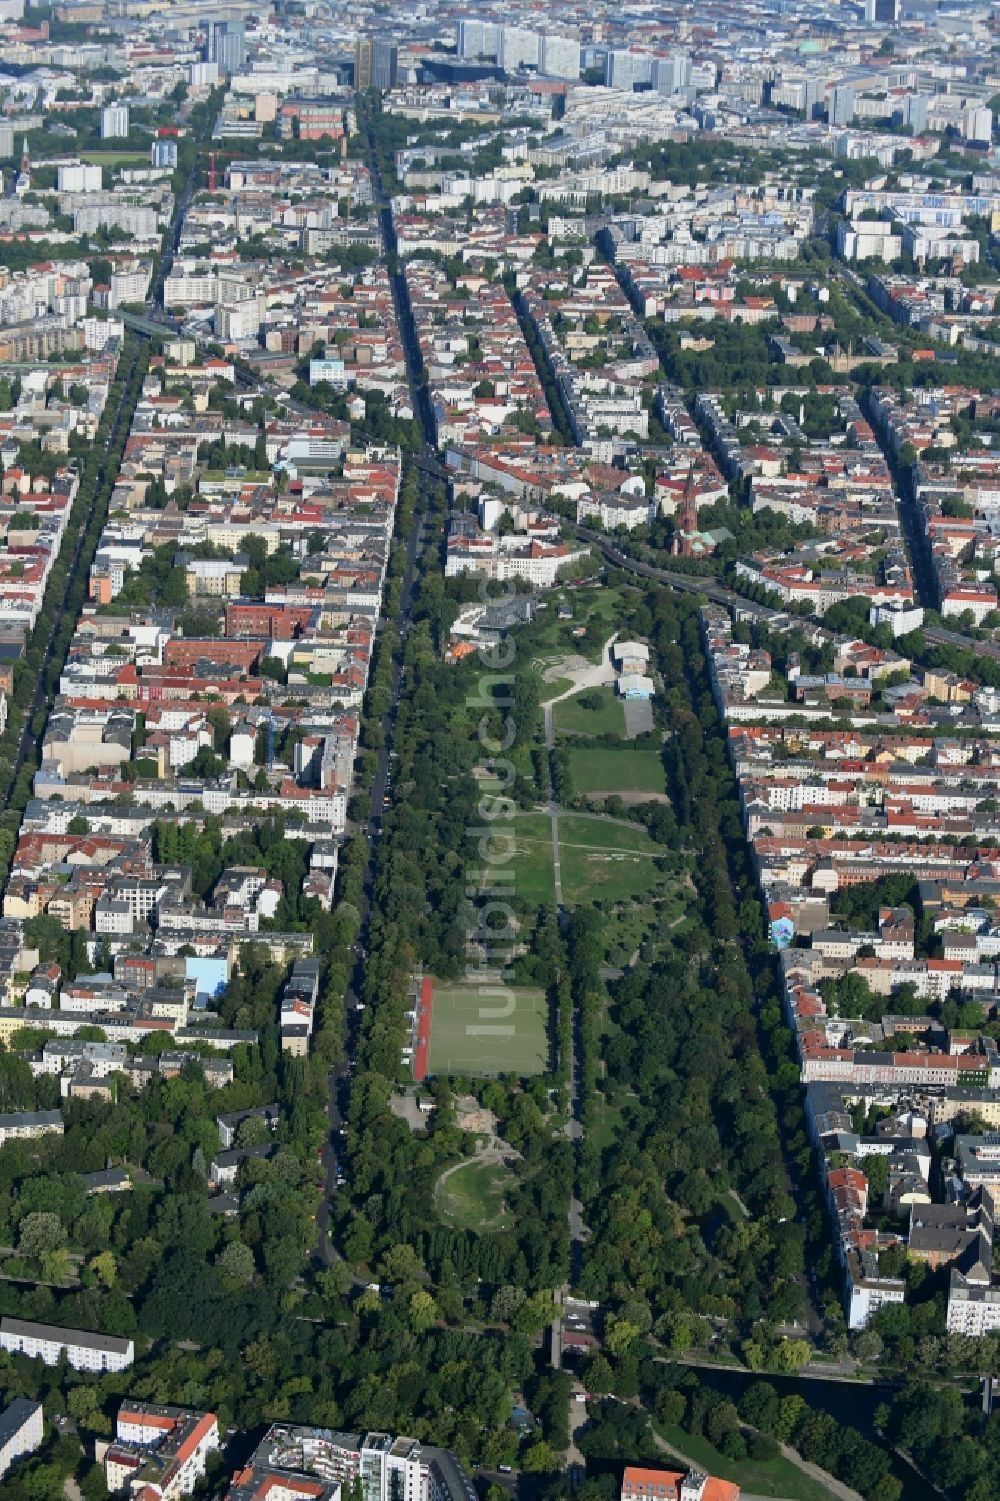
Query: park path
(590, 675)
(593, 675)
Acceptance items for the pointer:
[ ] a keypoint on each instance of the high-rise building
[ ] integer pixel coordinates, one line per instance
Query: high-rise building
(813, 93)
(882, 12)
(671, 73)
(559, 57)
(363, 63)
(164, 153)
(226, 44)
(114, 121)
(470, 37)
(230, 49)
(841, 107)
(977, 123)
(78, 177)
(915, 112)
(625, 69)
(478, 38)
(376, 63)
(519, 47)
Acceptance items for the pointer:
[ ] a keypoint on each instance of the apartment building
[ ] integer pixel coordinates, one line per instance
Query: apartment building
(83, 1349)
(21, 1431)
(26, 1124)
(640, 1483)
(159, 1451)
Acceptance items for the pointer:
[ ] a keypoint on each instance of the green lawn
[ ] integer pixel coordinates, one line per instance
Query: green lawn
(772, 1477)
(600, 770)
(115, 158)
(608, 718)
(596, 875)
(602, 860)
(534, 880)
(596, 833)
(475, 1030)
(600, 609)
(606, 1123)
(472, 1197)
(553, 689)
(599, 858)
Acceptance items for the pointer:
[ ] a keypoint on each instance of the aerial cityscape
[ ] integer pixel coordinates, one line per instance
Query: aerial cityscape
(499, 751)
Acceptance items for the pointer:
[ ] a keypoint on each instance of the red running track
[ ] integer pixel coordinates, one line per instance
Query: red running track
(422, 1051)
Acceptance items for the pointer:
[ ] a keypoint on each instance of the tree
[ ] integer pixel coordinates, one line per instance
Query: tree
(868, 1344)
(505, 1302)
(400, 1264)
(791, 1411)
(94, 1485)
(672, 1407)
(236, 1266)
(877, 1171)
(84, 1403)
(600, 1377)
(791, 1355)
(40, 1232)
(722, 1419)
(336, 1280)
(105, 1268)
(539, 1459)
(619, 1334)
(252, 1132)
(423, 1311)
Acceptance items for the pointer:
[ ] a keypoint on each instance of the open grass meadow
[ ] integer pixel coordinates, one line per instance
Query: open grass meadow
(603, 860)
(600, 859)
(769, 1477)
(534, 879)
(471, 1196)
(554, 689)
(574, 716)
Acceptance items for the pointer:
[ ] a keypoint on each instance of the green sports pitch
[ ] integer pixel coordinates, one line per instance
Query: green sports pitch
(481, 1032)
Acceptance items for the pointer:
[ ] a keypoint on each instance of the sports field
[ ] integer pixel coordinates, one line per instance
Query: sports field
(476, 1031)
(607, 771)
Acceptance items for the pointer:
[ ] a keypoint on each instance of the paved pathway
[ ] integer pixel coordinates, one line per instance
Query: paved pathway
(590, 675)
